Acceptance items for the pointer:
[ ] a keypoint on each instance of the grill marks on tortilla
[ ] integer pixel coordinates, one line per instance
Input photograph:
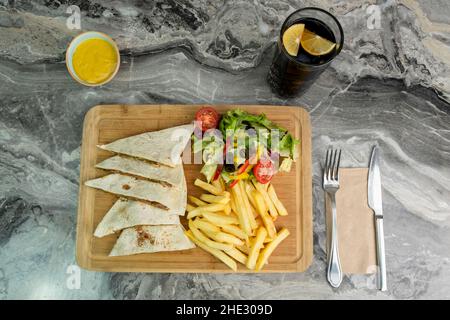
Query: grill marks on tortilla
(153, 163)
(158, 205)
(127, 187)
(143, 236)
(127, 213)
(163, 183)
(151, 238)
(155, 193)
(152, 203)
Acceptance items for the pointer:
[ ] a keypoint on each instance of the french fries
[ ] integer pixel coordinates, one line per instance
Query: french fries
(189, 207)
(225, 238)
(220, 219)
(258, 199)
(256, 246)
(235, 231)
(212, 207)
(204, 225)
(248, 208)
(277, 203)
(207, 187)
(233, 204)
(222, 183)
(249, 188)
(236, 224)
(227, 209)
(268, 239)
(202, 238)
(241, 210)
(262, 189)
(216, 183)
(197, 201)
(267, 251)
(259, 222)
(237, 255)
(197, 212)
(214, 199)
(243, 249)
(262, 210)
(215, 252)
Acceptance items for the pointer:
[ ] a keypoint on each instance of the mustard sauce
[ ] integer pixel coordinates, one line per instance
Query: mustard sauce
(94, 60)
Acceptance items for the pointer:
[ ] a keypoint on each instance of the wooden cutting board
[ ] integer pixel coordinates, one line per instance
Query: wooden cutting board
(106, 123)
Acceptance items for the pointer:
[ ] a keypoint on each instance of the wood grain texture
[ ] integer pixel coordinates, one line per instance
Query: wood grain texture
(106, 123)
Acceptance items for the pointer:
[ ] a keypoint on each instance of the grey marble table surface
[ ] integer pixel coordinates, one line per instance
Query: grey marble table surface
(390, 86)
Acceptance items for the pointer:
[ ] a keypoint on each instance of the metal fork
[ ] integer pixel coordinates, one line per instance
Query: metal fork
(331, 186)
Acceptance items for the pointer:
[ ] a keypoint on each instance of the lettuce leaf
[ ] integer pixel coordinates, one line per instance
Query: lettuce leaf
(287, 146)
(237, 119)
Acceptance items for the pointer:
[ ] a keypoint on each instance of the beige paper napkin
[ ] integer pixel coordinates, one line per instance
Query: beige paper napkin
(355, 220)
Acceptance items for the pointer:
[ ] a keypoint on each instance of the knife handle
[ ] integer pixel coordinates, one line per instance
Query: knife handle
(334, 272)
(381, 258)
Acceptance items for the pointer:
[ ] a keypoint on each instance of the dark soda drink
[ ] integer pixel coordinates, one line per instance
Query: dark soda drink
(295, 68)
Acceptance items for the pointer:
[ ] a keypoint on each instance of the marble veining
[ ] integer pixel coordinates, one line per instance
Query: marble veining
(389, 86)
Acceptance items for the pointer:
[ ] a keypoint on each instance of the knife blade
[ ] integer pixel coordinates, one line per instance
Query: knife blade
(376, 204)
(374, 184)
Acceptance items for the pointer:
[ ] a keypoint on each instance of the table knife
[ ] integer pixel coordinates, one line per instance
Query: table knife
(376, 204)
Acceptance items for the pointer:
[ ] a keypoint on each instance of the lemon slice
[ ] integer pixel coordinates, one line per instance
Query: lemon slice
(315, 45)
(292, 37)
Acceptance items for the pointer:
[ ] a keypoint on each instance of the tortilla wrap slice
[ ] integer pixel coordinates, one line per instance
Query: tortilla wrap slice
(148, 239)
(129, 213)
(144, 169)
(163, 146)
(172, 198)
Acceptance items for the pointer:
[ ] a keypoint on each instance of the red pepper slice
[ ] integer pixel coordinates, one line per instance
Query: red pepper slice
(244, 167)
(218, 172)
(232, 184)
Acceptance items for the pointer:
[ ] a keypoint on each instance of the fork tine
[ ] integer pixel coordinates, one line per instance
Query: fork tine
(333, 166)
(330, 163)
(333, 156)
(326, 165)
(337, 166)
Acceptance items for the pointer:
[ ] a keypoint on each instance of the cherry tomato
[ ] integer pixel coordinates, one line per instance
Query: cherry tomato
(264, 170)
(208, 117)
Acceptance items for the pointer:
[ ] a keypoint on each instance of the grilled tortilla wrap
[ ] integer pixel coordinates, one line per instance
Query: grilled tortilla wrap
(163, 146)
(172, 198)
(129, 213)
(144, 169)
(148, 239)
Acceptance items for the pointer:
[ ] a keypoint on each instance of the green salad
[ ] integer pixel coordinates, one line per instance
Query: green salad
(244, 146)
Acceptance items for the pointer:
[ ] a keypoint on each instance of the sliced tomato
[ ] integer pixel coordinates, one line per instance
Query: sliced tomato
(264, 170)
(208, 117)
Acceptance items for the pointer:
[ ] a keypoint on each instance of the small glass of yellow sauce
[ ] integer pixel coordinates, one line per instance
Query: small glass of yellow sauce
(92, 58)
